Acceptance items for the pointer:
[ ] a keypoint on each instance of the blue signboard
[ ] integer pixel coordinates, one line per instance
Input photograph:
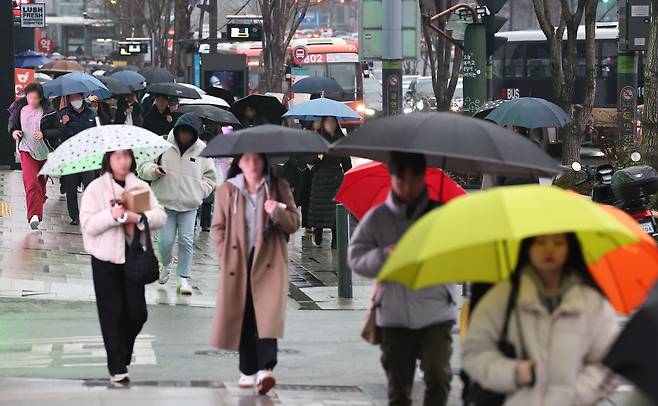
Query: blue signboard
(311, 20)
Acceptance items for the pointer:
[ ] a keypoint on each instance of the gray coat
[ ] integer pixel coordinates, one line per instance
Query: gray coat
(398, 306)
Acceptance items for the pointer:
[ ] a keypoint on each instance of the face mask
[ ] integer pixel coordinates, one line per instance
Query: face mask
(76, 104)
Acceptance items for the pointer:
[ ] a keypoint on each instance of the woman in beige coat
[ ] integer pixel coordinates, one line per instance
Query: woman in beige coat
(561, 321)
(253, 219)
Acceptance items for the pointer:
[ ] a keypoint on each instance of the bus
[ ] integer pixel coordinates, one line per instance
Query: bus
(522, 68)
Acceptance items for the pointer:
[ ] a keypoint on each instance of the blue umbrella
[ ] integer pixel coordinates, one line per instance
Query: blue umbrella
(133, 79)
(317, 84)
(76, 82)
(316, 109)
(529, 112)
(30, 59)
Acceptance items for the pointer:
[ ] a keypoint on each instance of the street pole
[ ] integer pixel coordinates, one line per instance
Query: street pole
(475, 67)
(212, 23)
(7, 89)
(342, 244)
(392, 56)
(627, 67)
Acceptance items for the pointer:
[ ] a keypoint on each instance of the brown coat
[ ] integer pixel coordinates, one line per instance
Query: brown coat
(269, 270)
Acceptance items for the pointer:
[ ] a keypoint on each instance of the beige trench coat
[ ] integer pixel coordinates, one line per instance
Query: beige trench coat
(269, 271)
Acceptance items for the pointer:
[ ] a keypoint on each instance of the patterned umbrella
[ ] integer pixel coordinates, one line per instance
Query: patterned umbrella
(487, 107)
(84, 152)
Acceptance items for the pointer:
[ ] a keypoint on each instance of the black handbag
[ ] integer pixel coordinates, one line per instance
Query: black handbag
(476, 395)
(141, 262)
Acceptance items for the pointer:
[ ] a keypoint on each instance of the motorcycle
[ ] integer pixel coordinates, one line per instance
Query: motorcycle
(629, 189)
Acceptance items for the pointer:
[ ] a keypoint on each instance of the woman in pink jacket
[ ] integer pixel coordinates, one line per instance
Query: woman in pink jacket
(121, 304)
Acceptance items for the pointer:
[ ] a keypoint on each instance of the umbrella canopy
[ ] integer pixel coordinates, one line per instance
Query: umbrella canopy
(503, 217)
(131, 68)
(634, 355)
(62, 66)
(132, 79)
(154, 74)
(30, 59)
(207, 100)
(316, 109)
(76, 82)
(40, 77)
(368, 185)
(317, 84)
(450, 141)
(84, 151)
(198, 89)
(488, 107)
(173, 90)
(267, 139)
(529, 112)
(222, 94)
(210, 113)
(266, 106)
(115, 86)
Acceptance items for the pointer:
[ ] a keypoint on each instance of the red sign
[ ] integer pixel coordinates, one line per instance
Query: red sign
(46, 45)
(22, 78)
(300, 54)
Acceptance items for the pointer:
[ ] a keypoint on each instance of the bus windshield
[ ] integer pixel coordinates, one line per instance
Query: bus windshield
(346, 74)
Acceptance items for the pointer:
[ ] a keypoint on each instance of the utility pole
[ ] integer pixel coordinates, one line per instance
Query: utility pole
(212, 37)
(7, 89)
(392, 56)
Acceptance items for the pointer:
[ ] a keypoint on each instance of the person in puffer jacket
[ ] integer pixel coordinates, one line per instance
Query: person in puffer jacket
(180, 180)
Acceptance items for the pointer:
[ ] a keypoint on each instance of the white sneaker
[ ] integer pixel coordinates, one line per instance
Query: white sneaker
(120, 378)
(34, 222)
(247, 381)
(164, 274)
(184, 287)
(265, 382)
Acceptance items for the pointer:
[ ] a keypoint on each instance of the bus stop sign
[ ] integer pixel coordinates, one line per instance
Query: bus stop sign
(300, 54)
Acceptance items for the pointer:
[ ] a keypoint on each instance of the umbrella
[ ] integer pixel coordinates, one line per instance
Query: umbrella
(198, 89)
(131, 68)
(76, 82)
(634, 355)
(487, 107)
(115, 86)
(154, 74)
(266, 106)
(210, 113)
(267, 139)
(368, 185)
(30, 59)
(98, 73)
(222, 94)
(529, 112)
(322, 107)
(206, 100)
(84, 151)
(450, 141)
(443, 247)
(317, 84)
(40, 77)
(172, 90)
(62, 66)
(132, 79)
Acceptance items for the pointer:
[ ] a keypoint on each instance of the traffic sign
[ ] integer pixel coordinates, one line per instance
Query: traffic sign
(33, 15)
(299, 53)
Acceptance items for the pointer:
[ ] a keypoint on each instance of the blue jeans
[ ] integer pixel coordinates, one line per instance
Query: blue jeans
(183, 222)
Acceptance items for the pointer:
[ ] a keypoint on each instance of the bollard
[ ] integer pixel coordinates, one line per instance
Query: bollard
(343, 236)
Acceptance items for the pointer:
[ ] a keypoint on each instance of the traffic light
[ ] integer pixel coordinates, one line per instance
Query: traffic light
(493, 24)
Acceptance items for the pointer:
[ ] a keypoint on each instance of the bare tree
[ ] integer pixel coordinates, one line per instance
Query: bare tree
(182, 36)
(650, 115)
(564, 74)
(157, 15)
(281, 18)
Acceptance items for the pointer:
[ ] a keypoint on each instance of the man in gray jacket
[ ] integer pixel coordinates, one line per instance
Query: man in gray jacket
(415, 325)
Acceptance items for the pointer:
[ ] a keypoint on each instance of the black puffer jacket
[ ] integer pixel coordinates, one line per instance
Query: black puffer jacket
(328, 174)
(50, 125)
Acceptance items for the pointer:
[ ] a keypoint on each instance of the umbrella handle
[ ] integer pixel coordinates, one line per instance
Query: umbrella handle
(98, 121)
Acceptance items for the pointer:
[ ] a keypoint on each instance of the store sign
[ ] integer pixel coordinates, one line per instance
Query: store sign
(244, 32)
(46, 45)
(22, 78)
(33, 15)
(133, 48)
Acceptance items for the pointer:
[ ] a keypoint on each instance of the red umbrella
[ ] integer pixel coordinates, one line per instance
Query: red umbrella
(367, 186)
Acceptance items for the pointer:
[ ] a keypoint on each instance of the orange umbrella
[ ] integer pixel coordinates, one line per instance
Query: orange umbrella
(627, 274)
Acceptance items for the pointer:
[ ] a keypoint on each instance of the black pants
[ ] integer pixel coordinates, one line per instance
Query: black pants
(317, 235)
(256, 354)
(206, 215)
(121, 310)
(401, 348)
(71, 183)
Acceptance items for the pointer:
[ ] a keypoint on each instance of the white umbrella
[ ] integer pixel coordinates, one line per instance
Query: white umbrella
(84, 151)
(198, 89)
(41, 77)
(207, 99)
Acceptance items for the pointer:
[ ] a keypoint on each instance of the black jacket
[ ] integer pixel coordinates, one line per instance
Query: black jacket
(156, 122)
(137, 114)
(78, 121)
(50, 124)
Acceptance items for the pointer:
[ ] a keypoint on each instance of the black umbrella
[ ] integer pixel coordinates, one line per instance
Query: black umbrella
(273, 140)
(210, 113)
(317, 84)
(487, 107)
(173, 90)
(224, 94)
(115, 86)
(450, 141)
(634, 355)
(154, 74)
(268, 107)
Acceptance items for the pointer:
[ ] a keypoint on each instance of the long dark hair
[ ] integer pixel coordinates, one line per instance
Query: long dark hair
(337, 134)
(105, 163)
(575, 261)
(234, 170)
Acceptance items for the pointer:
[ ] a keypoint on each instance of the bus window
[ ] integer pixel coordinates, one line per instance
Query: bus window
(515, 60)
(581, 61)
(346, 75)
(499, 60)
(539, 64)
(608, 59)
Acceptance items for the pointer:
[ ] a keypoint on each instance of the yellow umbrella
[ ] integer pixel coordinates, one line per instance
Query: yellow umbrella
(477, 237)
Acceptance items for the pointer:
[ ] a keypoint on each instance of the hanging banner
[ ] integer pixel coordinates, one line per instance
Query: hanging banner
(22, 78)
